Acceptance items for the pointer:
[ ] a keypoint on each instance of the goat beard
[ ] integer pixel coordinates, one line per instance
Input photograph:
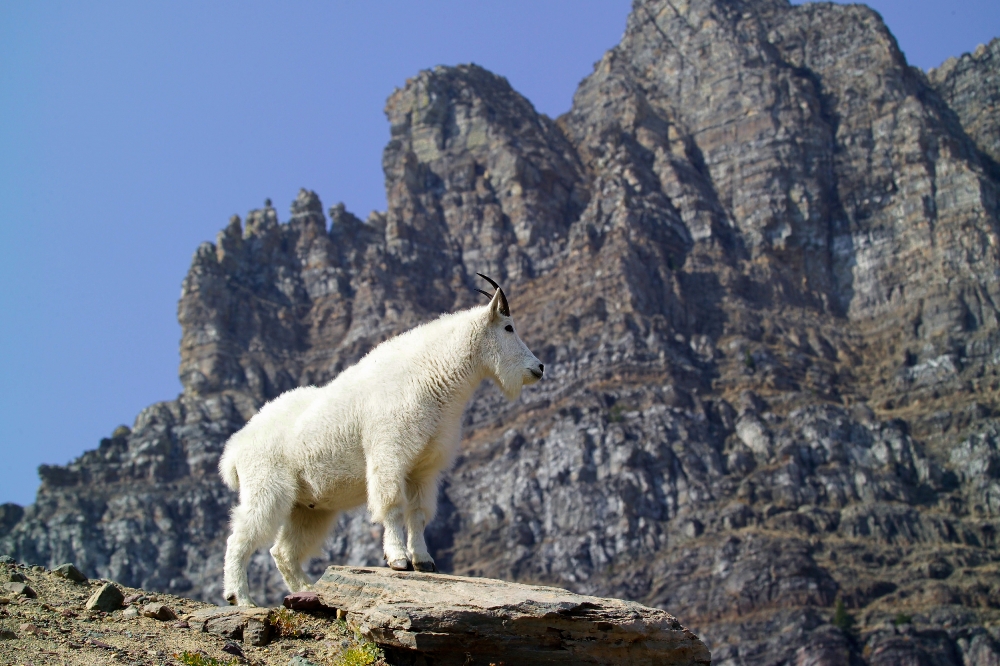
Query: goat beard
(511, 384)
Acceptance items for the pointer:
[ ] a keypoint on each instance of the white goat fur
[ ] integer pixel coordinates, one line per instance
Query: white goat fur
(382, 431)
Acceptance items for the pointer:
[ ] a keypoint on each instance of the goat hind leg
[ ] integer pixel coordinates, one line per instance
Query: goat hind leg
(299, 538)
(253, 526)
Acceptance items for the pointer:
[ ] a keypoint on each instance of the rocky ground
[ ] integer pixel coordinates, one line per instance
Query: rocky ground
(60, 617)
(49, 622)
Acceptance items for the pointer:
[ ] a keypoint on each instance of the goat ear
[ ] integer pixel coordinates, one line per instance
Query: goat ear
(498, 305)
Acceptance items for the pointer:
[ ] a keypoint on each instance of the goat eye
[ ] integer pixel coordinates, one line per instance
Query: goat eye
(508, 328)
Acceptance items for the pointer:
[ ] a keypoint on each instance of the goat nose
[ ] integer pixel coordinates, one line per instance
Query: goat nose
(541, 367)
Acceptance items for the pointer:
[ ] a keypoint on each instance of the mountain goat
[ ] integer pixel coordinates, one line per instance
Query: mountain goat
(382, 431)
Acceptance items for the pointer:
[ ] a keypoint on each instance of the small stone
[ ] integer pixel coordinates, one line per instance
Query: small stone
(302, 601)
(7, 559)
(301, 661)
(20, 588)
(7, 634)
(131, 612)
(67, 613)
(132, 598)
(38, 568)
(257, 633)
(4, 601)
(108, 598)
(17, 577)
(234, 649)
(183, 624)
(70, 572)
(159, 612)
(29, 628)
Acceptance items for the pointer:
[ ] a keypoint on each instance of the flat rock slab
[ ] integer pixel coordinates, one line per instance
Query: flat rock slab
(20, 588)
(250, 625)
(458, 620)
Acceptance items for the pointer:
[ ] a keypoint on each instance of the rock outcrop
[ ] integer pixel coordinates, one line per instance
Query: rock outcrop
(970, 85)
(447, 619)
(759, 258)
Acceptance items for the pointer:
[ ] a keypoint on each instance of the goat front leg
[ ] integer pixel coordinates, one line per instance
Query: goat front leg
(385, 502)
(416, 521)
(392, 540)
(422, 505)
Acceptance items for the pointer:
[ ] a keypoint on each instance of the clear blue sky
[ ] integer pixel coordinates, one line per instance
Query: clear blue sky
(131, 131)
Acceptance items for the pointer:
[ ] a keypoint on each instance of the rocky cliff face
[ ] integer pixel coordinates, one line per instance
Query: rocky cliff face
(759, 258)
(970, 85)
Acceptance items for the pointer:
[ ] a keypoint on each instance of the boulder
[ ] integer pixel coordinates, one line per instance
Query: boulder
(70, 572)
(449, 619)
(108, 598)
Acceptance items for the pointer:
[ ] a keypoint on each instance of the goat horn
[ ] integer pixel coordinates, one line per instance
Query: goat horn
(504, 308)
(485, 293)
(495, 285)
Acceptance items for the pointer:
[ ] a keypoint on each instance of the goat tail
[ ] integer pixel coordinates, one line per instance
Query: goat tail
(227, 469)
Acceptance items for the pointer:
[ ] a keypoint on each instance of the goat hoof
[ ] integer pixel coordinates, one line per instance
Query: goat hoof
(426, 567)
(402, 564)
(231, 598)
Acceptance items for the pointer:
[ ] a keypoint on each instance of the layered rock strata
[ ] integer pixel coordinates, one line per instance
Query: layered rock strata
(759, 258)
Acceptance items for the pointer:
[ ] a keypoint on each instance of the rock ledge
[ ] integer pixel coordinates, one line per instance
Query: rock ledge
(442, 619)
